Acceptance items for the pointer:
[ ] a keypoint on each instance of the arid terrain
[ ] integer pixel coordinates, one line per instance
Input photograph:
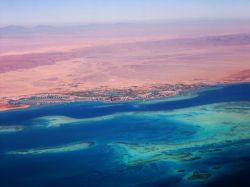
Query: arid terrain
(73, 59)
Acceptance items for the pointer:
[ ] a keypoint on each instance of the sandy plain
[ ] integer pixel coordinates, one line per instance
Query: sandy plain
(62, 60)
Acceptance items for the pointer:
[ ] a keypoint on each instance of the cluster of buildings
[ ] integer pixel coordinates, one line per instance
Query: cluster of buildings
(111, 95)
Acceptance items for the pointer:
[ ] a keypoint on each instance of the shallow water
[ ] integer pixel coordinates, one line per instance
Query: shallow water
(194, 141)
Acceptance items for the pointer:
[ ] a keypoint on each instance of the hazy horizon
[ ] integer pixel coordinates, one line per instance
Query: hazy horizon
(163, 21)
(76, 12)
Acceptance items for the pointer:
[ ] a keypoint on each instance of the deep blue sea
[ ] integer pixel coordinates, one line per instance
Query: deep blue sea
(107, 163)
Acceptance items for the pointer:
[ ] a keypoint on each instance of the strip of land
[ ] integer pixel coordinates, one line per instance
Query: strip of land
(119, 62)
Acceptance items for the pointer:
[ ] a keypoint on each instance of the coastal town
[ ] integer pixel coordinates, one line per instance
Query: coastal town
(105, 94)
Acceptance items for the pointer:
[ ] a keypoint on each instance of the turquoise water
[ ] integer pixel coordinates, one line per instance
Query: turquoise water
(194, 141)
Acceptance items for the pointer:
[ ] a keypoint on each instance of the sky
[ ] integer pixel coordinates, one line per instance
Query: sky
(49, 12)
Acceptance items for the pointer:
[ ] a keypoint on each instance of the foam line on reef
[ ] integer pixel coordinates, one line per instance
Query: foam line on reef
(57, 121)
(178, 114)
(11, 129)
(53, 150)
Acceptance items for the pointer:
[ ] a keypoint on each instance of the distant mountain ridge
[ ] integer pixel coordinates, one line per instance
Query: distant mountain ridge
(150, 27)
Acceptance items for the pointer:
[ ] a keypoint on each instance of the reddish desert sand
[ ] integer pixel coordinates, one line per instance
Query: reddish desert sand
(6, 106)
(115, 58)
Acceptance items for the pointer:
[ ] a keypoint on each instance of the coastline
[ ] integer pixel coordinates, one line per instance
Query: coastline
(60, 98)
(7, 107)
(182, 140)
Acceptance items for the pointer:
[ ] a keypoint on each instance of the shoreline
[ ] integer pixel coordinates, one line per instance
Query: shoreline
(10, 105)
(7, 107)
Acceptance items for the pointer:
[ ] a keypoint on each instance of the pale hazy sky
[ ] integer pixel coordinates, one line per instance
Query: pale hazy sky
(37, 12)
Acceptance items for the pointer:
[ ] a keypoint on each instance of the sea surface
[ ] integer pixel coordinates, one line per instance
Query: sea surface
(200, 140)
